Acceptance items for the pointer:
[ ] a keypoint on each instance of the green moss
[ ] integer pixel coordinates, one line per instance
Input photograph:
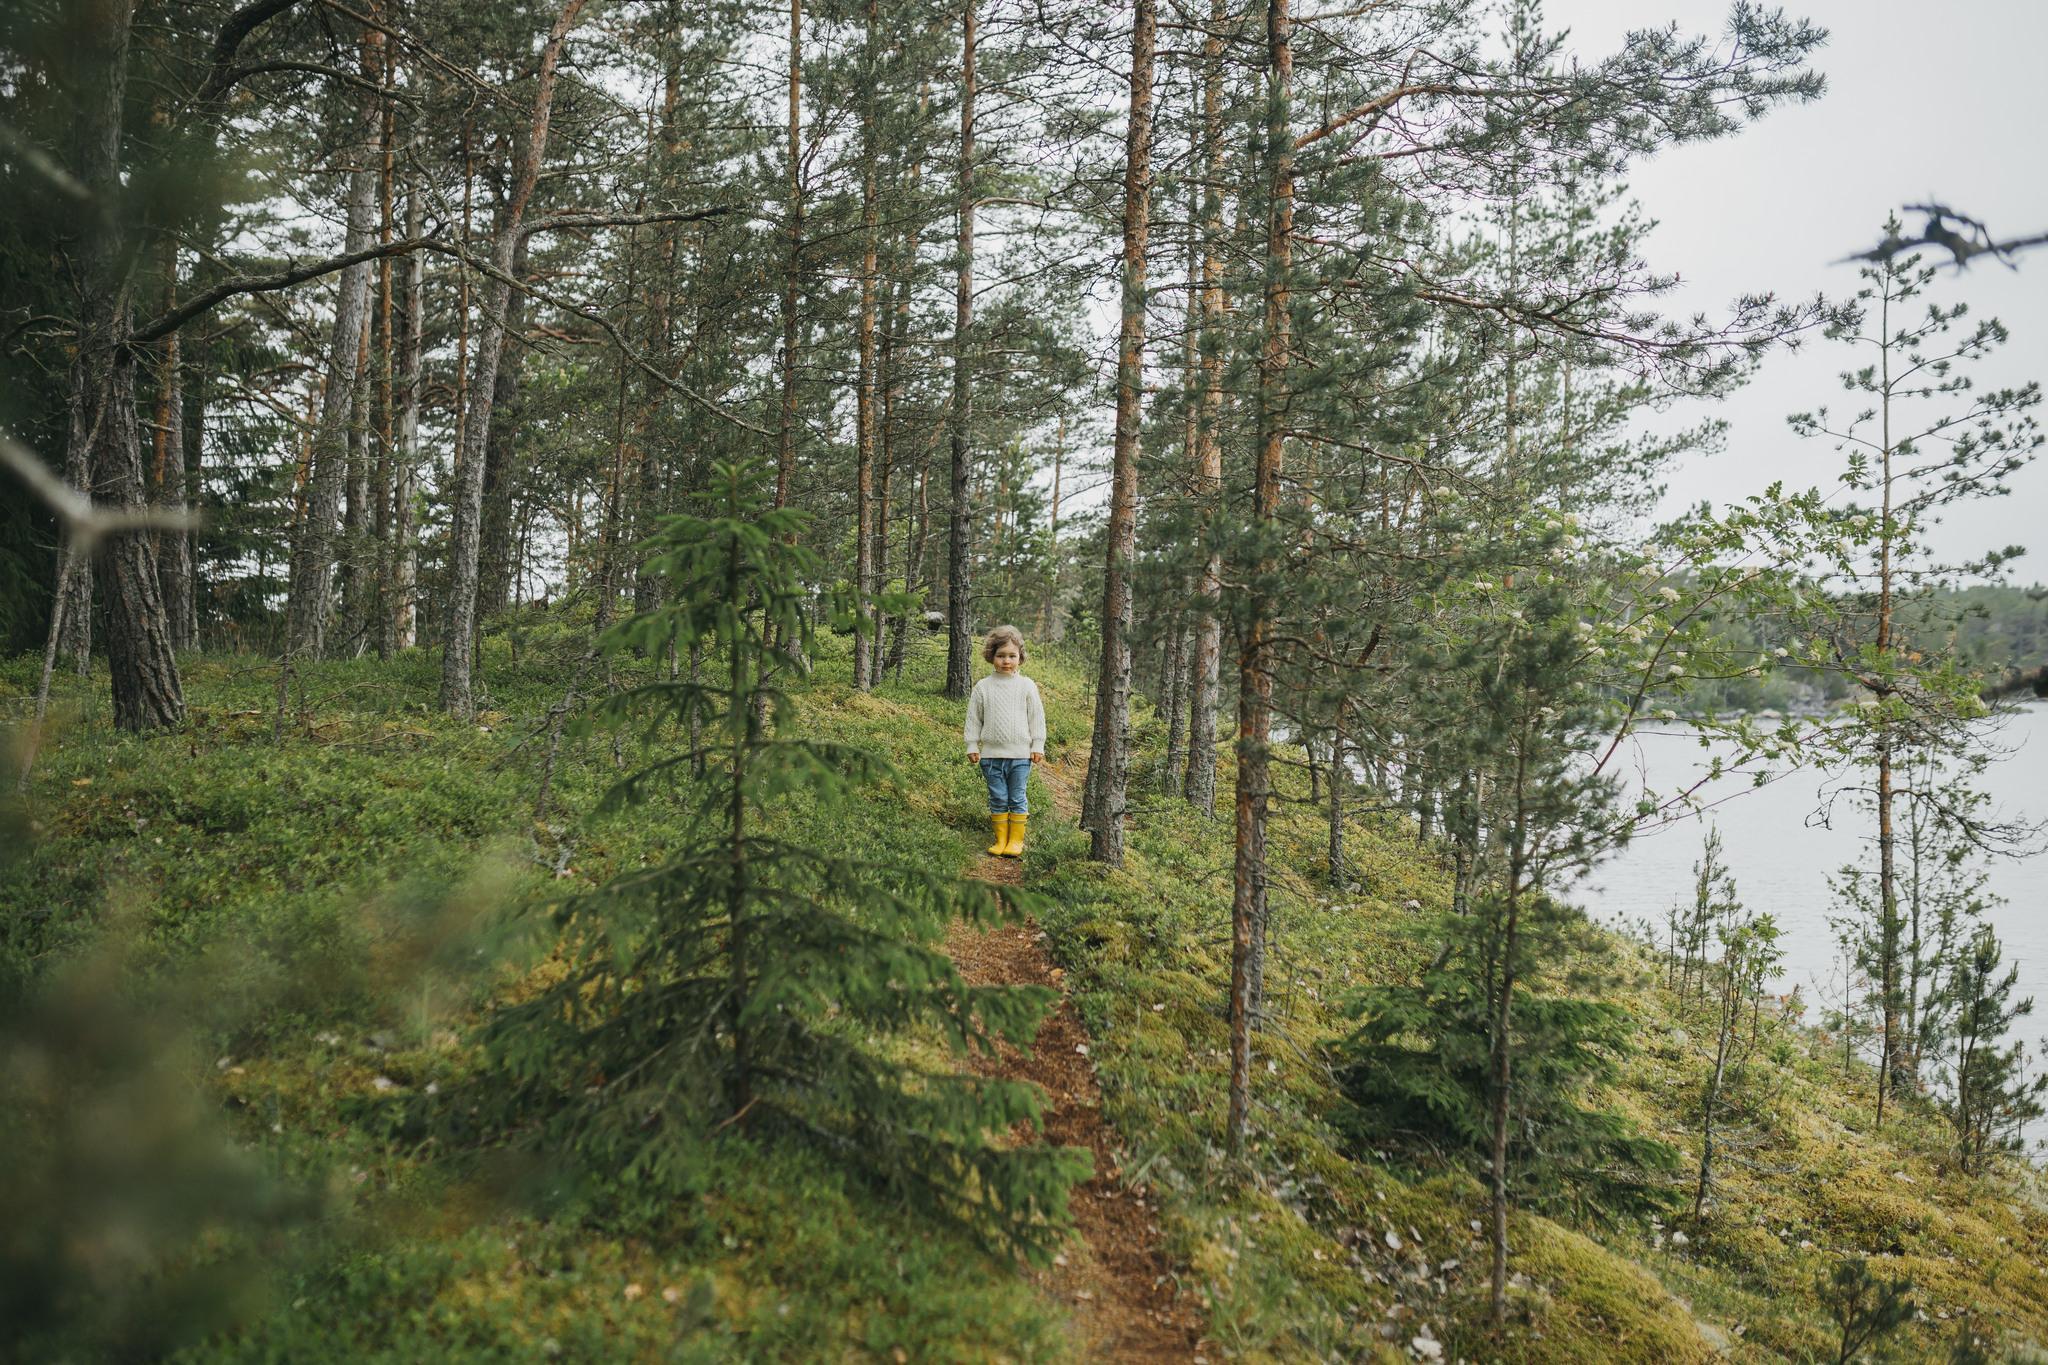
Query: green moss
(336, 846)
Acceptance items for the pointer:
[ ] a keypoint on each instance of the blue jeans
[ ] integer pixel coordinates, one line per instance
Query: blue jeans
(1005, 778)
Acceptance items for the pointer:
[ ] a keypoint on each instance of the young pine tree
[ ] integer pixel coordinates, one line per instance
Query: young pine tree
(1989, 1098)
(741, 985)
(1749, 953)
(1920, 438)
(1865, 1309)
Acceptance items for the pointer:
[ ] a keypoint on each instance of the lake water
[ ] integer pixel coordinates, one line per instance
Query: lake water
(1781, 856)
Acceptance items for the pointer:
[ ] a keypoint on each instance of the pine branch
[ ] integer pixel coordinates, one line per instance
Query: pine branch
(208, 299)
(239, 26)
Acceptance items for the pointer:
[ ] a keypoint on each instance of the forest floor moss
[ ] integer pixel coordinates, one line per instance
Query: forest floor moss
(307, 883)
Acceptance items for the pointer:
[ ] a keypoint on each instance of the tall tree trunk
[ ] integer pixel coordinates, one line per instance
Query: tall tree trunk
(460, 620)
(378, 605)
(1173, 701)
(1199, 785)
(611, 514)
(501, 458)
(197, 387)
(916, 553)
(173, 548)
(1338, 873)
(886, 479)
(793, 211)
(866, 646)
(400, 618)
(659, 468)
(71, 611)
(895, 347)
(357, 513)
(1109, 754)
(959, 592)
(1050, 627)
(1464, 832)
(891, 640)
(1500, 1044)
(104, 444)
(1890, 1061)
(1255, 677)
(649, 484)
(313, 551)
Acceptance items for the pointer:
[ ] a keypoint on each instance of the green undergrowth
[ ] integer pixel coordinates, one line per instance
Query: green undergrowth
(1307, 1250)
(313, 901)
(318, 888)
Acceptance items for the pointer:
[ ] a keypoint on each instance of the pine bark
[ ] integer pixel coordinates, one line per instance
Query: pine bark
(309, 599)
(1500, 1060)
(196, 385)
(895, 345)
(1050, 626)
(1338, 781)
(959, 589)
(358, 588)
(1255, 677)
(495, 557)
(1199, 785)
(377, 633)
(793, 212)
(1173, 702)
(1109, 753)
(105, 445)
(459, 623)
(173, 548)
(1891, 1072)
(399, 614)
(866, 646)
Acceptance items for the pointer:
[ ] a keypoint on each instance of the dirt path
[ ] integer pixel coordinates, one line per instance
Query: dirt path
(1113, 1274)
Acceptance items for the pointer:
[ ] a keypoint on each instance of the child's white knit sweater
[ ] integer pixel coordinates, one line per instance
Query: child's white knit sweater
(1005, 719)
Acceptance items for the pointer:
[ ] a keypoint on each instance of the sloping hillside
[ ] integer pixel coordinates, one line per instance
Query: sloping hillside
(291, 894)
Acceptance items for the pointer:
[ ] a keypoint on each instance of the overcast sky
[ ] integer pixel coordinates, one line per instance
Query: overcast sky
(1943, 102)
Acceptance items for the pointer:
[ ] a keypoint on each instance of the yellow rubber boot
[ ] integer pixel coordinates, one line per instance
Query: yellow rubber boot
(1015, 848)
(1001, 824)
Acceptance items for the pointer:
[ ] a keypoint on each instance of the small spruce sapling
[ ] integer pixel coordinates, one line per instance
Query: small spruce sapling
(743, 984)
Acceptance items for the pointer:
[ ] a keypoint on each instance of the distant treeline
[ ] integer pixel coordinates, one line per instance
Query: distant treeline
(1992, 629)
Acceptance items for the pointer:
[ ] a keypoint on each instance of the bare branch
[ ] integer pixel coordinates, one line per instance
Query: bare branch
(208, 299)
(43, 164)
(333, 73)
(1963, 237)
(564, 221)
(86, 521)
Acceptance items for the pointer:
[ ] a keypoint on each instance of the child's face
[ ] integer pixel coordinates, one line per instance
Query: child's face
(1007, 658)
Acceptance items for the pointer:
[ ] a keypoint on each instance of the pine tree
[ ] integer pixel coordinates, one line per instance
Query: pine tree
(1749, 953)
(740, 985)
(1988, 1097)
(1922, 438)
(1865, 1309)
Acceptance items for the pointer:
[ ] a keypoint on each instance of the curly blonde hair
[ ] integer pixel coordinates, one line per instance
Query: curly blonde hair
(1000, 636)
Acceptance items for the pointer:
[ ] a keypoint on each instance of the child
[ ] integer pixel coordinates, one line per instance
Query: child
(1005, 735)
